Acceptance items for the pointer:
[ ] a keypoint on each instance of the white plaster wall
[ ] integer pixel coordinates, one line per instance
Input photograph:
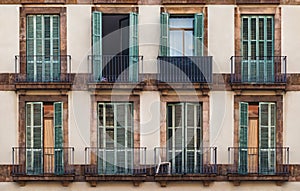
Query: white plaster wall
(150, 186)
(8, 127)
(150, 122)
(79, 36)
(9, 35)
(149, 36)
(221, 36)
(79, 128)
(221, 123)
(291, 125)
(290, 37)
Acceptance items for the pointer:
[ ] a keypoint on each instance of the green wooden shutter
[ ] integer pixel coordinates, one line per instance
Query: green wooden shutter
(164, 35)
(198, 34)
(133, 48)
(267, 142)
(55, 64)
(97, 45)
(34, 139)
(30, 47)
(58, 137)
(257, 48)
(243, 135)
(193, 138)
(43, 48)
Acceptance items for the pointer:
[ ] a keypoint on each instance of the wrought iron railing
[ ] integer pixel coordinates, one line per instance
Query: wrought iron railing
(258, 69)
(115, 161)
(114, 68)
(256, 160)
(42, 161)
(43, 68)
(185, 69)
(186, 160)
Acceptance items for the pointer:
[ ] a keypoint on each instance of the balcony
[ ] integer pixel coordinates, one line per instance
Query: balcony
(42, 1)
(115, 164)
(255, 163)
(190, 164)
(185, 72)
(258, 73)
(114, 71)
(48, 163)
(43, 72)
(257, 2)
(184, 1)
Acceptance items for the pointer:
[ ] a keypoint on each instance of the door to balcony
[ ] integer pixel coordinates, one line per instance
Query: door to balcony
(43, 48)
(257, 145)
(184, 136)
(44, 138)
(115, 47)
(115, 150)
(257, 64)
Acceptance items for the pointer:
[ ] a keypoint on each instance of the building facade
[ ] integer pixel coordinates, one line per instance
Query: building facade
(149, 94)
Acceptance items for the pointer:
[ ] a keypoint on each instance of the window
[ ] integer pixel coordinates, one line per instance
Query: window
(44, 138)
(257, 142)
(181, 35)
(184, 137)
(257, 48)
(43, 48)
(115, 47)
(115, 138)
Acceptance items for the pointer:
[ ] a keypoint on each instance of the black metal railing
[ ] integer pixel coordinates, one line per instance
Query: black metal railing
(42, 161)
(43, 68)
(186, 160)
(114, 68)
(185, 69)
(115, 161)
(256, 160)
(258, 69)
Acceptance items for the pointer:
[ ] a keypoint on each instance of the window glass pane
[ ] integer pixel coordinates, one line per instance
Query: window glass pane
(100, 115)
(181, 22)
(170, 117)
(188, 43)
(109, 115)
(261, 29)
(110, 136)
(178, 116)
(253, 28)
(176, 43)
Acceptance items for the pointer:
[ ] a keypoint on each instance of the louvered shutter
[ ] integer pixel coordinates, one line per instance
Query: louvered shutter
(55, 60)
(257, 48)
(30, 48)
(243, 136)
(267, 127)
(43, 48)
(198, 34)
(133, 48)
(164, 35)
(58, 137)
(34, 133)
(97, 45)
